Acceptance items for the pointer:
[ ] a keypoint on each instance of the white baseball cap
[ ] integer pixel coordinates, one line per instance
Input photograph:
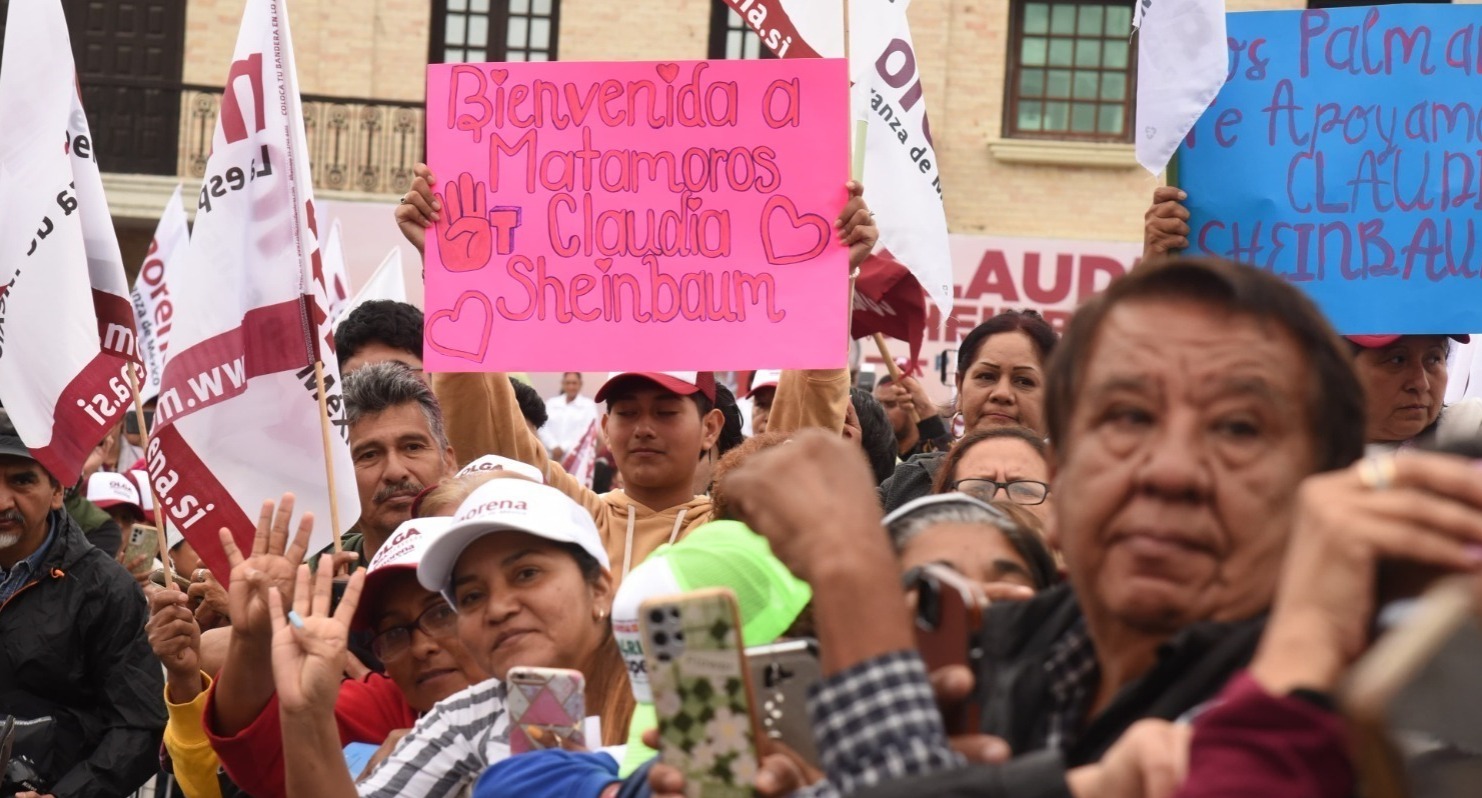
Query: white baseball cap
(493, 462)
(509, 504)
(764, 378)
(110, 489)
(401, 553)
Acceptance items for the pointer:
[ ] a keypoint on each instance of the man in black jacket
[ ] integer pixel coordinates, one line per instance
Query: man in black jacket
(76, 669)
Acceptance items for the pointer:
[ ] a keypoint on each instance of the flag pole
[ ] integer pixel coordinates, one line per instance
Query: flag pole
(159, 509)
(895, 374)
(334, 501)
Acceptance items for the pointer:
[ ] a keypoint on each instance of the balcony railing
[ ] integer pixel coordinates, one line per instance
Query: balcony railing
(355, 144)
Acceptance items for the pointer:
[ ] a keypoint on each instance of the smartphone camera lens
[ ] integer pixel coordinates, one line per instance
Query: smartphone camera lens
(674, 613)
(657, 616)
(679, 636)
(661, 639)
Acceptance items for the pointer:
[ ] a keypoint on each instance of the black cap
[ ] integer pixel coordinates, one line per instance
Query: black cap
(10, 440)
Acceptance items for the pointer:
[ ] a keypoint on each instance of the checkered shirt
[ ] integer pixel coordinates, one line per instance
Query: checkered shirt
(875, 722)
(1073, 671)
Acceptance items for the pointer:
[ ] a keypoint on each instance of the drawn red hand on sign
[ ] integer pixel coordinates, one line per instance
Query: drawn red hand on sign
(462, 331)
(469, 233)
(791, 242)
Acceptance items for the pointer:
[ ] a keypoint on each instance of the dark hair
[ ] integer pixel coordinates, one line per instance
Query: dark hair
(1028, 322)
(532, 407)
(379, 387)
(1335, 408)
(885, 379)
(947, 475)
(577, 373)
(1042, 569)
(395, 324)
(731, 435)
(876, 434)
(719, 501)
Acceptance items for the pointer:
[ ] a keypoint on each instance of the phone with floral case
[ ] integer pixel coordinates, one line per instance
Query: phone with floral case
(697, 668)
(550, 702)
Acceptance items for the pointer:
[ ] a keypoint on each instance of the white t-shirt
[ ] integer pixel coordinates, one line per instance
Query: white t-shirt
(567, 421)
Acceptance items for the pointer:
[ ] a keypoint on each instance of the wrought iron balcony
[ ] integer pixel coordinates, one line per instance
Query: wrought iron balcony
(355, 144)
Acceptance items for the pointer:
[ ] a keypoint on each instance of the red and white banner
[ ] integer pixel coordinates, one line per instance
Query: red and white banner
(902, 181)
(66, 327)
(992, 274)
(153, 310)
(238, 417)
(889, 301)
(581, 461)
(336, 283)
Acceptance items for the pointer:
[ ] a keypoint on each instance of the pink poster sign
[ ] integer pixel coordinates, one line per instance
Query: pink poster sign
(637, 216)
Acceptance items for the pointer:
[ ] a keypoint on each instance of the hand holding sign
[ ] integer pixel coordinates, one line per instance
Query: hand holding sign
(466, 236)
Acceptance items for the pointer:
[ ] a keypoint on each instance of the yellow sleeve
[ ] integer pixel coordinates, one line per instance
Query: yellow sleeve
(185, 738)
(815, 398)
(483, 416)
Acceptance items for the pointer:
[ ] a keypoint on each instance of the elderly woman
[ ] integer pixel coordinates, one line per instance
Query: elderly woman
(1000, 383)
(1404, 379)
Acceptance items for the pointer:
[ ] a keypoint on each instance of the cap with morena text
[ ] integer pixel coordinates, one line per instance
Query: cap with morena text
(516, 505)
(1378, 341)
(683, 383)
(401, 553)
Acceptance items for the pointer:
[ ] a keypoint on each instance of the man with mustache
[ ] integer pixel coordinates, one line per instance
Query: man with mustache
(74, 657)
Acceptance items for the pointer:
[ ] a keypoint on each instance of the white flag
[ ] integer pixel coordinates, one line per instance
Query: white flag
(902, 181)
(1182, 59)
(153, 310)
(386, 282)
(66, 329)
(336, 284)
(238, 417)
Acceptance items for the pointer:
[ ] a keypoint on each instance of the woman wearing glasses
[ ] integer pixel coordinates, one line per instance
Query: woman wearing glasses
(1001, 464)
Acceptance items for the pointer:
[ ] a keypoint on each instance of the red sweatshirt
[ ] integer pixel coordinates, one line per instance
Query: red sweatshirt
(1256, 745)
(366, 711)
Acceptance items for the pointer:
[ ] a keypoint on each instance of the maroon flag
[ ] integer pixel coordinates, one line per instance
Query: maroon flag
(888, 300)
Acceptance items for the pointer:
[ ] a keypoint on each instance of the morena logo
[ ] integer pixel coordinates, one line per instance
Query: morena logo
(489, 507)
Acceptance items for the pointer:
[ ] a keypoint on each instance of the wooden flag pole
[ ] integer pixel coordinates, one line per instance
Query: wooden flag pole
(895, 374)
(334, 501)
(159, 509)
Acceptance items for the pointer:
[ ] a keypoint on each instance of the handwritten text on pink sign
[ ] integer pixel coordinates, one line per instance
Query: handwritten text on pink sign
(637, 216)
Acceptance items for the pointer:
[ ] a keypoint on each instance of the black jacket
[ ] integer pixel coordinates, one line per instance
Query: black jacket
(1015, 694)
(73, 648)
(911, 480)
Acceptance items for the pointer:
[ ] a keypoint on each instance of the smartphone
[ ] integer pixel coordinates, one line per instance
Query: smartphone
(781, 675)
(144, 540)
(949, 628)
(550, 700)
(697, 671)
(131, 421)
(1414, 703)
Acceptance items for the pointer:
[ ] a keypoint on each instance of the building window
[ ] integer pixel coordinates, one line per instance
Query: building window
(731, 37)
(1071, 70)
(494, 30)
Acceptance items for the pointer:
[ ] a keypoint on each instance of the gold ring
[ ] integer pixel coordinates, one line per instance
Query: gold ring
(1377, 472)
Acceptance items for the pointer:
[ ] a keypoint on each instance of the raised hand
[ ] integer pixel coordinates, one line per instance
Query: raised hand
(273, 563)
(175, 637)
(418, 209)
(856, 226)
(466, 236)
(212, 608)
(1166, 224)
(309, 660)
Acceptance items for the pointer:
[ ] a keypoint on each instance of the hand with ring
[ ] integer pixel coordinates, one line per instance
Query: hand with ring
(1416, 509)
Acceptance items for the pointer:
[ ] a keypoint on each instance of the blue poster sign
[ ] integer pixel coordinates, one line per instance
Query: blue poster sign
(1345, 154)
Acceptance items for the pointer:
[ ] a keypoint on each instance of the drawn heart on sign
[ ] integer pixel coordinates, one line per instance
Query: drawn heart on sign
(498, 75)
(1150, 131)
(450, 331)
(794, 237)
(667, 71)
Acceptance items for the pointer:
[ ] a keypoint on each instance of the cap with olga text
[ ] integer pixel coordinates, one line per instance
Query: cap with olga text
(514, 505)
(493, 462)
(401, 553)
(111, 489)
(683, 383)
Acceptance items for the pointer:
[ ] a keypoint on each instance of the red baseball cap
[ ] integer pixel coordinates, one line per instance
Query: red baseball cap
(765, 378)
(1377, 341)
(402, 552)
(683, 383)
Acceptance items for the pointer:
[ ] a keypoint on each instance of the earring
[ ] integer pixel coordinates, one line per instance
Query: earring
(601, 615)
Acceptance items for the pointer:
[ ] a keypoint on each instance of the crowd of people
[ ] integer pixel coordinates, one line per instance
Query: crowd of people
(1171, 516)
